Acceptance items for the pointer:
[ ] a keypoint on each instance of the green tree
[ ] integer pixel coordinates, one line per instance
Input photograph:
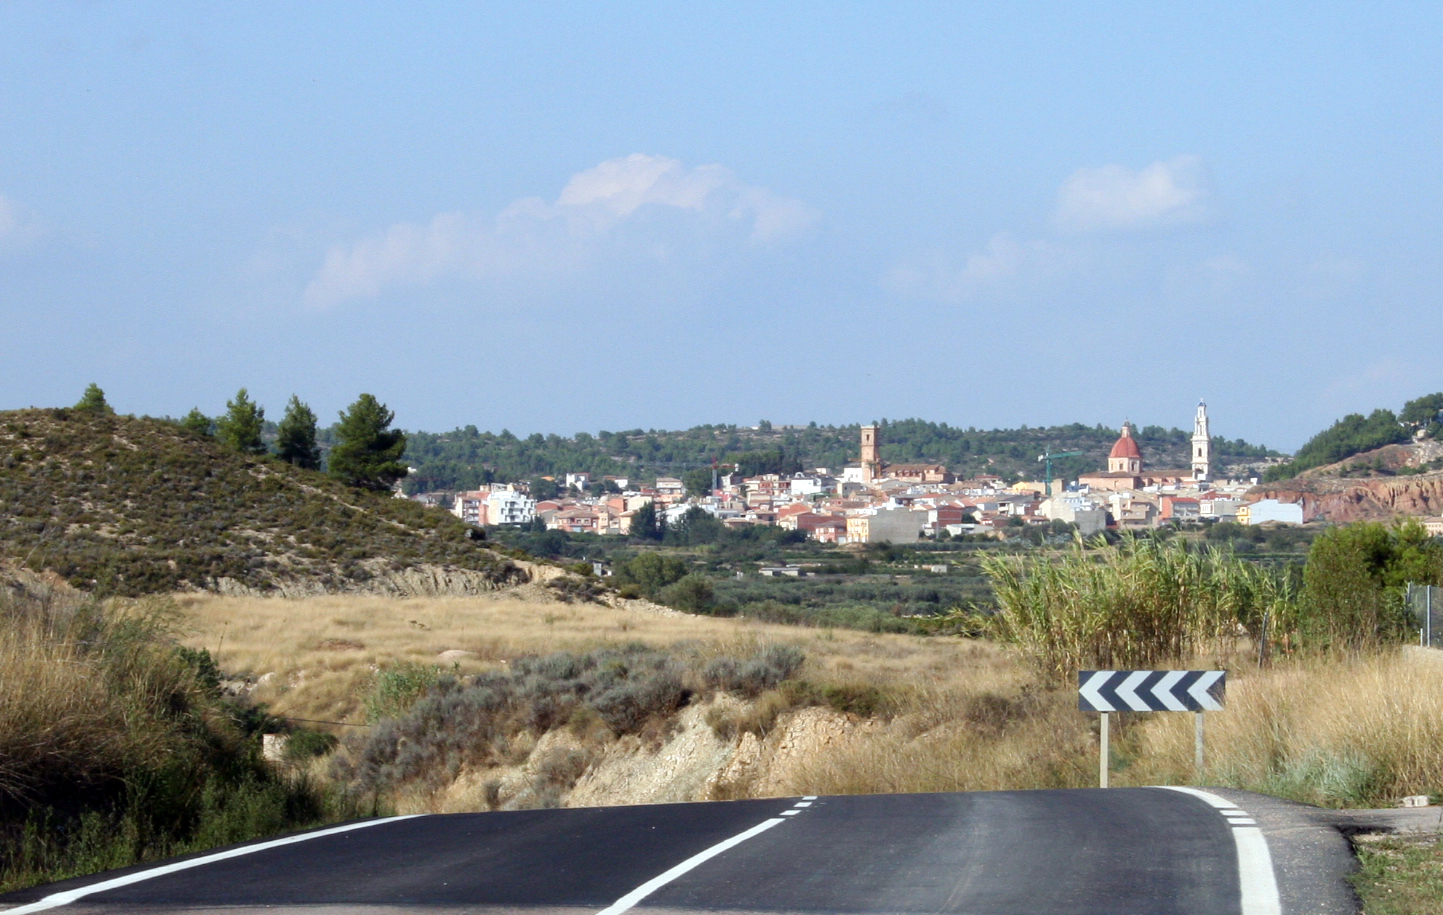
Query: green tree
(1353, 582)
(196, 421)
(368, 452)
(644, 523)
(296, 436)
(649, 573)
(240, 427)
(93, 400)
(543, 489)
(698, 481)
(1425, 413)
(691, 594)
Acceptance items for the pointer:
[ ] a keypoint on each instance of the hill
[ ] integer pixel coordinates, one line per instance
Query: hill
(465, 458)
(125, 505)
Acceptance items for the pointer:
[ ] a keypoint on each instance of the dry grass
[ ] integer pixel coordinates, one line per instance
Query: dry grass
(1351, 731)
(961, 715)
(82, 689)
(324, 651)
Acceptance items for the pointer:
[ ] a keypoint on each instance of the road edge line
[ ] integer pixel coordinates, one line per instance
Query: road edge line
(55, 900)
(1257, 881)
(661, 880)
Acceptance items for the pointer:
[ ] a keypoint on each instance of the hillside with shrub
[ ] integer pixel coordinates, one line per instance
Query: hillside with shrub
(117, 744)
(128, 506)
(465, 458)
(1356, 434)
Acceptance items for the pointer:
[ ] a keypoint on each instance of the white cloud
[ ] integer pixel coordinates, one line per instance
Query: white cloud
(942, 278)
(1169, 193)
(531, 234)
(17, 227)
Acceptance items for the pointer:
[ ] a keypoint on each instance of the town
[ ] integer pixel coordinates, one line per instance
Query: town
(873, 501)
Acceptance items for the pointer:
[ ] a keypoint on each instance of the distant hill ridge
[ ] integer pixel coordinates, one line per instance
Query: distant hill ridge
(465, 458)
(129, 506)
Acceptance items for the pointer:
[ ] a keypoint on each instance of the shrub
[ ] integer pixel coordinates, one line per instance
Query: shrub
(115, 747)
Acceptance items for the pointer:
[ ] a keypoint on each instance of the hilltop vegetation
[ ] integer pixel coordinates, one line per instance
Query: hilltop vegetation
(1356, 434)
(129, 506)
(466, 458)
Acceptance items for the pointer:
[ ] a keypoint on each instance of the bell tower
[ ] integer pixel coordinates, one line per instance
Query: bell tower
(1202, 445)
(871, 467)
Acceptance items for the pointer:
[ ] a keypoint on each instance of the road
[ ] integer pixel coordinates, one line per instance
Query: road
(1076, 852)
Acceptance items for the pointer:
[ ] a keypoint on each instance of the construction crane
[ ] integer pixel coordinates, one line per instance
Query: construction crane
(1048, 456)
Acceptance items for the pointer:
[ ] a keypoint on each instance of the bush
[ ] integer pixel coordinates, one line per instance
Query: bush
(1354, 580)
(755, 675)
(116, 747)
(692, 594)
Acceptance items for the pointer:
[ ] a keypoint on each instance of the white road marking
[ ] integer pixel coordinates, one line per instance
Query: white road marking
(1243, 821)
(657, 882)
(1255, 863)
(802, 804)
(790, 813)
(55, 900)
(809, 797)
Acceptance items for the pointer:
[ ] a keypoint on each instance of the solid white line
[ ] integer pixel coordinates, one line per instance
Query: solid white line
(56, 900)
(1256, 879)
(656, 883)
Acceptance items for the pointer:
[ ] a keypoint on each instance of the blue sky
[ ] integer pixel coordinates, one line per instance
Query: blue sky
(556, 217)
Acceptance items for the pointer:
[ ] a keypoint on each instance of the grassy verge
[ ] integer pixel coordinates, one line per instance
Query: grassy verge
(1400, 876)
(116, 746)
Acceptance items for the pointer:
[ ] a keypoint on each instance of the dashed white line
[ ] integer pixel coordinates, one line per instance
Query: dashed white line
(802, 804)
(661, 880)
(55, 900)
(1256, 879)
(790, 813)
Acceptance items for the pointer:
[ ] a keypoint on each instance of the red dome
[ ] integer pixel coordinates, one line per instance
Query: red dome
(1126, 446)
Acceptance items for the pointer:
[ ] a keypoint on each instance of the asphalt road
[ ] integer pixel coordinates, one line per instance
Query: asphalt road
(1083, 852)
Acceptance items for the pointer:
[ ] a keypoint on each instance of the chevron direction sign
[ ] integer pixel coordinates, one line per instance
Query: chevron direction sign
(1150, 690)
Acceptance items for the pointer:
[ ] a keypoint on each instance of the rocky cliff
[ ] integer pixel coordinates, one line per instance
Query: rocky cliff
(1366, 487)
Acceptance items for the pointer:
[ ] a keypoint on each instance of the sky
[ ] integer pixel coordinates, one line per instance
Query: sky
(555, 217)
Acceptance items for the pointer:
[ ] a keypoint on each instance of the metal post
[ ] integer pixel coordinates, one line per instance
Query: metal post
(1102, 756)
(1197, 750)
(1428, 614)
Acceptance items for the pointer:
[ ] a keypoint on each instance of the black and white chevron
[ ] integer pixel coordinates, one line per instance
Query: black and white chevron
(1150, 690)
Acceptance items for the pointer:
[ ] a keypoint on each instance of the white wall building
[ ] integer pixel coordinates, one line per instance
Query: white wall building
(1266, 510)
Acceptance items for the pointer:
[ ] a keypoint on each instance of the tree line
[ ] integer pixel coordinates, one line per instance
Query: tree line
(366, 452)
(1356, 433)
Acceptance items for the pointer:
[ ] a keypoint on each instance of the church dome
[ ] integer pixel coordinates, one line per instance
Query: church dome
(1126, 446)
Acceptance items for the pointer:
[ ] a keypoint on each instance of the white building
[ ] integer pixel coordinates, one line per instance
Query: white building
(1266, 510)
(506, 506)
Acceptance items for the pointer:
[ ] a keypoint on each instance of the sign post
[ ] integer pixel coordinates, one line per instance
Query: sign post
(1150, 691)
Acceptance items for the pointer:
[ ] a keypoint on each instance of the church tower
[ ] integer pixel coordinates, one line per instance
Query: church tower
(871, 467)
(1202, 445)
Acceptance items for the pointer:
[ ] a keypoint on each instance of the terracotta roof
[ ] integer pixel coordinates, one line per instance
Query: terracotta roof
(1126, 446)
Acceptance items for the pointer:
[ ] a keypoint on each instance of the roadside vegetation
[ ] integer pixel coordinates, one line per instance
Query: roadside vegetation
(1399, 876)
(116, 745)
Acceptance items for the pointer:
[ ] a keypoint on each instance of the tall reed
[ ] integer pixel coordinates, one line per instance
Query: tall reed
(1143, 603)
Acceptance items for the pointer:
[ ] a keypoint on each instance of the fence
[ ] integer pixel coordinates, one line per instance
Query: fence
(1425, 607)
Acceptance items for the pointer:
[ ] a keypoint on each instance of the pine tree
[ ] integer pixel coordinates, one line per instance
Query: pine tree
(240, 427)
(196, 421)
(93, 400)
(367, 453)
(644, 523)
(296, 436)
